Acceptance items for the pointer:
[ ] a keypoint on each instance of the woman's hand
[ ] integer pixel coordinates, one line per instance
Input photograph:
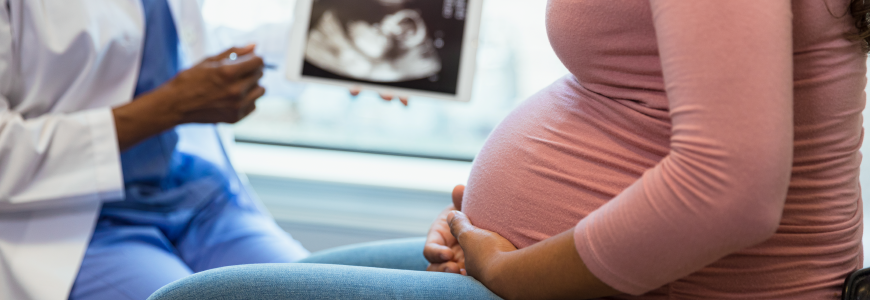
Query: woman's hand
(442, 250)
(484, 247)
(219, 89)
(550, 269)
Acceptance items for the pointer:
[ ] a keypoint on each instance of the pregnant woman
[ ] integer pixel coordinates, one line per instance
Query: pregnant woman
(698, 150)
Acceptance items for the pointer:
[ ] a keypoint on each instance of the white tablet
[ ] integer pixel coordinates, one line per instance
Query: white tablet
(403, 47)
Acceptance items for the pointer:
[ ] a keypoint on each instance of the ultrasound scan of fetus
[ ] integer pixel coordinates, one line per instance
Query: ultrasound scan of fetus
(404, 43)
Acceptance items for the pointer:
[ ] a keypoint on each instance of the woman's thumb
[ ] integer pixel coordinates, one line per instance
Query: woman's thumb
(458, 192)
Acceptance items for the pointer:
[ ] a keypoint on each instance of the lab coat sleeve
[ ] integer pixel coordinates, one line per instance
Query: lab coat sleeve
(53, 160)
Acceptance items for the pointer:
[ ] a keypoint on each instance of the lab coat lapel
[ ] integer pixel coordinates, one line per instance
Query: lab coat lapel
(187, 15)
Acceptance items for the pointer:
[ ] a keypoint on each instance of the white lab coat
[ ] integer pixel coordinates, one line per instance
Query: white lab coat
(63, 65)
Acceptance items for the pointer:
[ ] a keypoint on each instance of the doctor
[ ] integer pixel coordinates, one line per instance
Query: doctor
(104, 194)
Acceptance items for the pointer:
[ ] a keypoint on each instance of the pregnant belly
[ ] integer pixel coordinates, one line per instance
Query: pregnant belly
(559, 156)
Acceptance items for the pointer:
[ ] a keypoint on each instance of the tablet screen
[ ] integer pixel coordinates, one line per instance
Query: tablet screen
(413, 44)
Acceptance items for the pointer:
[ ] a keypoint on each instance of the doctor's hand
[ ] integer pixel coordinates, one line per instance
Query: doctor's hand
(354, 91)
(442, 250)
(222, 88)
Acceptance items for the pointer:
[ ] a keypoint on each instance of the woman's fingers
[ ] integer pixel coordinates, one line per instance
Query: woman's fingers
(480, 247)
(467, 235)
(473, 239)
(458, 254)
(439, 240)
(458, 193)
(435, 250)
(447, 267)
(460, 226)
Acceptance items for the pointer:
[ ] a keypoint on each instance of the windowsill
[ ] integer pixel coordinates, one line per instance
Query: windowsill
(328, 198)
(376, 170)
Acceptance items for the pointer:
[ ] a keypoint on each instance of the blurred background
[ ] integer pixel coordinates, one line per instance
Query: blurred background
(335, 169)
(514, 61)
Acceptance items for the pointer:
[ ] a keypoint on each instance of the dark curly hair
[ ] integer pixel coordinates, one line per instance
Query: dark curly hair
(860, 10)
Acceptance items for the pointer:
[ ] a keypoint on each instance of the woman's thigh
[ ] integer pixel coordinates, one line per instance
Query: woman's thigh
(126, 262)
(317, 281)
(403, 254)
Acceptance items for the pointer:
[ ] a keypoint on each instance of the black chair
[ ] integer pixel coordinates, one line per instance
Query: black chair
(857, 285)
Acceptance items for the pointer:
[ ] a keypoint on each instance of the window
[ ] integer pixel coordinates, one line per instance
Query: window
(515, 61)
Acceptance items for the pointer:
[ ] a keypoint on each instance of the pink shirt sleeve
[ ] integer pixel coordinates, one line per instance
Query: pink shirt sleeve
(728, 74)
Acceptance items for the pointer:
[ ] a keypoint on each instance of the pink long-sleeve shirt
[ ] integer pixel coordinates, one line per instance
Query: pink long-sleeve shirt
(699, 149)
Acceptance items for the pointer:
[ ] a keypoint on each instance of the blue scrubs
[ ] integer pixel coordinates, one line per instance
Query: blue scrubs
(185, 211)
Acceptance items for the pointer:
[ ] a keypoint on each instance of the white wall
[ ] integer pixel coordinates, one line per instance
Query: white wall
(865, 188)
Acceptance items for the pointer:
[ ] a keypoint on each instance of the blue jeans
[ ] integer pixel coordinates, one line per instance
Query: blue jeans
(380, 270)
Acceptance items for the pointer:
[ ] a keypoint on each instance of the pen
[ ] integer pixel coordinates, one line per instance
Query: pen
(267, 66)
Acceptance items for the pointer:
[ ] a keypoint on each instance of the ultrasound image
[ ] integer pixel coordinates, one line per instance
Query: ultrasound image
(413, 44)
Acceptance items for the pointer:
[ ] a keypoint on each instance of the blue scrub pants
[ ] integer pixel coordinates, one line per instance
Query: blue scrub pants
(134, 252)
(381, 270)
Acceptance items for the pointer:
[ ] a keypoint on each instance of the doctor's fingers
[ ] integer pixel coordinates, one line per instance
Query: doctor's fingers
(252, 97)
(389, 97)
(242, 67)
(250, 109)
(248, 104)
(240, 88)
(239, 51)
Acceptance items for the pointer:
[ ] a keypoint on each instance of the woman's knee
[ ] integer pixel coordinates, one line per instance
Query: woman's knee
(317, 281)
(402, 254)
